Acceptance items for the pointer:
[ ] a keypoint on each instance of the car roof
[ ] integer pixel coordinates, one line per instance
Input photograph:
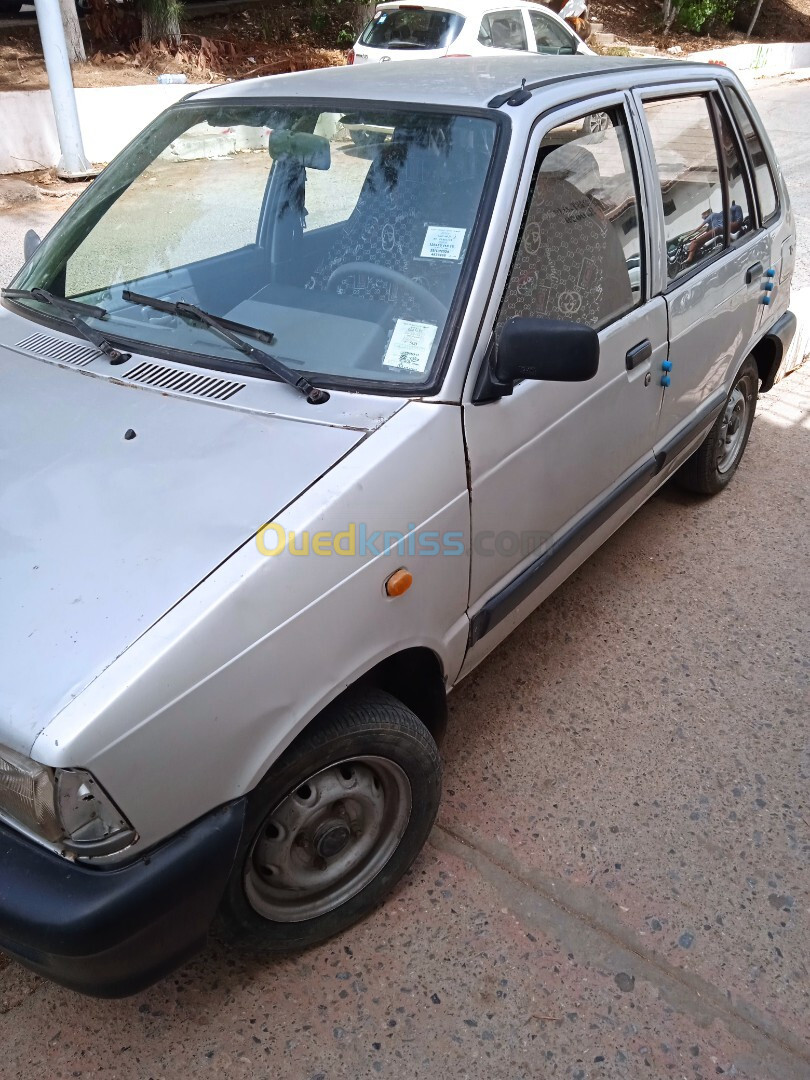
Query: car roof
(465, 83)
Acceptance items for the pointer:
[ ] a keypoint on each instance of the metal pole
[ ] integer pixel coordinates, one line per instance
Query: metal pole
(73, 165)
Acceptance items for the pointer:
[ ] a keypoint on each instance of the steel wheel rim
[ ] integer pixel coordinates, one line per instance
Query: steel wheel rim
(327, 839)
(733, 426)
(598, 122)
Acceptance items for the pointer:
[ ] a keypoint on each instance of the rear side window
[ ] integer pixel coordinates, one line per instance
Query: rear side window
(503, 30)
(549, 36)
(763, 177)
(689, 175)
(412, 28)
(579, 254)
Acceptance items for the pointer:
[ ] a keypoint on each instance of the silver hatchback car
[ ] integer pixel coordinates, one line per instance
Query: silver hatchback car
(294, 431)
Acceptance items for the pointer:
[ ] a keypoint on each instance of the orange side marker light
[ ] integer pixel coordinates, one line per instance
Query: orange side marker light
(399, 582)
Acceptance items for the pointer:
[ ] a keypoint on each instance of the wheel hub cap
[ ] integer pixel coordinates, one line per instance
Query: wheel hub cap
(327, 839)
(331, 839)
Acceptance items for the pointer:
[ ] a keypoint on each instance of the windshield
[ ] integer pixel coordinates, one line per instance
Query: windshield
(412, 28)
(342, 235)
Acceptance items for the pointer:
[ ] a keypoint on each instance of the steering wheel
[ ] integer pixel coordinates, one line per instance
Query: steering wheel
(433, 306)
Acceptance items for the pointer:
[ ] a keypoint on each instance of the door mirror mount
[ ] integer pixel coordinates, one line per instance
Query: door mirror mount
(31, 242)
(540, 349)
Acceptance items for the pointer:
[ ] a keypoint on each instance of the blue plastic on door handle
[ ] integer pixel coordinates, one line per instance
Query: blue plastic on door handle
(665, 380)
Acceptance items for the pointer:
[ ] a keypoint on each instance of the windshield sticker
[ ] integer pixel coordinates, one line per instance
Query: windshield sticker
(410, 345)
(442, 242)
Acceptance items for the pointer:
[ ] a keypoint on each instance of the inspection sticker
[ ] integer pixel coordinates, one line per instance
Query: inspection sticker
(442, 242)
(410, 344)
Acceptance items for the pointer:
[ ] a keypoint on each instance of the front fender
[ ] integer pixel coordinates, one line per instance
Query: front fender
(196, 711)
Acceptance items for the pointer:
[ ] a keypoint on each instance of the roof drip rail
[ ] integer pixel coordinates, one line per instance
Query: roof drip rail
(514, 97)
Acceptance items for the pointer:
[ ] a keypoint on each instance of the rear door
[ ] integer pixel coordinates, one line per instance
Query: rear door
(712, 252)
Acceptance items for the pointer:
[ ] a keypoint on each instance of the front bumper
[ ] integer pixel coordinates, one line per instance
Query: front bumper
(113, 932)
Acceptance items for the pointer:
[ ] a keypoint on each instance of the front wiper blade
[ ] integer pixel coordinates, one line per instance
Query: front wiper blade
(45, 297)
(229, 330)
(75, 312)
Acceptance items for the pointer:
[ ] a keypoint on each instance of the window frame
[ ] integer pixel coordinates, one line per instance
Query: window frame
(719, 112)
(710, 90)
(545, 123)
(726, 90)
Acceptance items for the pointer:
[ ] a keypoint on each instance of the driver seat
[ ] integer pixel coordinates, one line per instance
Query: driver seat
(387, 226)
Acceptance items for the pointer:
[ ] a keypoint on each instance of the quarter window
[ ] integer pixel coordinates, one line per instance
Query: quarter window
(549, 36)
(763, 177)
(578, 257)
(503, 30)
(689, 175)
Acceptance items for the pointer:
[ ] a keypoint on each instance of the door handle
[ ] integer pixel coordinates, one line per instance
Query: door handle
(753, 272)
(638, 354)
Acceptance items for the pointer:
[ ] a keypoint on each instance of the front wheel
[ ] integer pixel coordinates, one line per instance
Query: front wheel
(334, 825)
(715, 461)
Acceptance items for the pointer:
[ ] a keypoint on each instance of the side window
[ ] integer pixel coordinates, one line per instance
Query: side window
(689, 174)
(578, 256)
(550, 36)
(503, 30)
(740, 217)
(763, 177)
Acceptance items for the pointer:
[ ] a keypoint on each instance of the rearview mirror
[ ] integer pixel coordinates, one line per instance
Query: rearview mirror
(547, 349)
(30, 244)
(311, 151)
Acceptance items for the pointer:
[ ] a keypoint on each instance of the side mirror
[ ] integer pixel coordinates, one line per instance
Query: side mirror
(30, 244)
(546, 349)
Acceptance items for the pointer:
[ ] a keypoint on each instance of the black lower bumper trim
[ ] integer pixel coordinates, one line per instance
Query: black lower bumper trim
(113, 932)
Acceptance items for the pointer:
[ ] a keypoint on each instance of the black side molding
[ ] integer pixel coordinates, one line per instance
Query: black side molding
(504, 603)
(521, 587)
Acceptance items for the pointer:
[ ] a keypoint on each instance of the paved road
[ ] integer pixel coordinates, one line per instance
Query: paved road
(619, 883)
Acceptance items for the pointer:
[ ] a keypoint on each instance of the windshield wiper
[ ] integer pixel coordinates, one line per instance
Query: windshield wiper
(76, 312)
(229, 330)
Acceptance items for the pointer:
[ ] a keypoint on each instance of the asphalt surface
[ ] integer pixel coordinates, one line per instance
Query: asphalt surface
(618, 885)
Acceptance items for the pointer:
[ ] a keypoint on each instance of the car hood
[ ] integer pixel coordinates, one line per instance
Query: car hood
(101, 532)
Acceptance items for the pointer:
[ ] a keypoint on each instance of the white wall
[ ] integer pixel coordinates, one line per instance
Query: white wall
(110, 117)
(773, 59)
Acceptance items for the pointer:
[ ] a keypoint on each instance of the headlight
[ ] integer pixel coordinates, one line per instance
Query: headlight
(67, 807)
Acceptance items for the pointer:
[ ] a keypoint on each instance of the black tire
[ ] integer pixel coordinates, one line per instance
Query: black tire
(361, 728)
(706, 472)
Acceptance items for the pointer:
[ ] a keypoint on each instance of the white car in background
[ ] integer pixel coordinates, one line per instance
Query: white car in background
(425, 31)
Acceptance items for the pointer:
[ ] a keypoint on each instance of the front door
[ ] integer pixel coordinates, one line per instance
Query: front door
(550, 455)
(716, 256)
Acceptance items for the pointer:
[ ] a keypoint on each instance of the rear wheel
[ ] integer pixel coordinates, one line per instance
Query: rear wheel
(715, 461)
(334, 825)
